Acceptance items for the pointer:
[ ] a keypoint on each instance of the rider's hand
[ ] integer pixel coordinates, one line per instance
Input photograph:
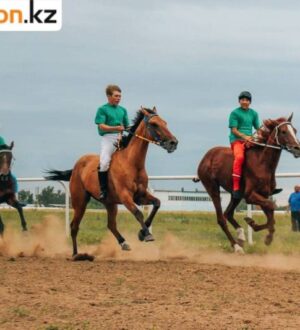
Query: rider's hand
(120, 128)
(247, 138)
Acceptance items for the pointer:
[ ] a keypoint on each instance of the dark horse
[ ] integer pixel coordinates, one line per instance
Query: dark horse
(7, 194)
(128, 179)
(258, 179)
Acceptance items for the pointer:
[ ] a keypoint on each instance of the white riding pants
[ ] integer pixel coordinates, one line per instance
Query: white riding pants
(107, 148)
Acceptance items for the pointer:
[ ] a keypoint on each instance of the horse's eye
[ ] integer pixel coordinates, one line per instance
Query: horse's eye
(154, 125)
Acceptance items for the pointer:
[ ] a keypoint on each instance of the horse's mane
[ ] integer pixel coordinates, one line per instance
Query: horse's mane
(4, 147)
(263, 133)
(135, 124)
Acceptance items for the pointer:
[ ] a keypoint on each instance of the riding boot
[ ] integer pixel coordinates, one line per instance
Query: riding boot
(237, 194)
(103, 181)
(276, 191)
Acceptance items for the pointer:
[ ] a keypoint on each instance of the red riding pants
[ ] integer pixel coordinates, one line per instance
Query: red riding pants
(238, 148)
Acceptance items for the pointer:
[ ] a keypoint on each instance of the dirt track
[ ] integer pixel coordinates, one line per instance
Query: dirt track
(53, 293)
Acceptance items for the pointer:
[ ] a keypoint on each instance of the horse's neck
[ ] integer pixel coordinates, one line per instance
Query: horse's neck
(270, 157)
(137, 148)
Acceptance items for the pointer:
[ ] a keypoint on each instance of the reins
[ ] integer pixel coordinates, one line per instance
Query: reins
(145, 139)
(152, 132)
(279, 146)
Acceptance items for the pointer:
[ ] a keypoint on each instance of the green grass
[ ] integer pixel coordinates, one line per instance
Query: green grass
(198, 229)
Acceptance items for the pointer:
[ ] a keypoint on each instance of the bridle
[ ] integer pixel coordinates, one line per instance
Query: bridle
(156, 138)
(7, 151)
(279, 146)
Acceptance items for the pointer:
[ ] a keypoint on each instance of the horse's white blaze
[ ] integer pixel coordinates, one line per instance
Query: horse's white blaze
(291, 130)
(241, 234)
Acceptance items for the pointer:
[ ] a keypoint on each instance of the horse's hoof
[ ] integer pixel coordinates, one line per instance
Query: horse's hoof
(141, 236)
(241, 238)
(83, 257)
(125, 246)
(149, 238)
(268, 239)
(238, 249)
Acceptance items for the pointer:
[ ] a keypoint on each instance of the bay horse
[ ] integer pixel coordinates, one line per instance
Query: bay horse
(7, 193)
(258, 178)
(127, 178)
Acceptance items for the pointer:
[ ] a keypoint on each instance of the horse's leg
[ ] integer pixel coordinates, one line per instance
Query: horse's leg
(79, 202)
(1, 227)
(149, 199)
(268, 208)
(112, 210)
(15, 203)
(229, 215)
(214, 192)
(127, 201)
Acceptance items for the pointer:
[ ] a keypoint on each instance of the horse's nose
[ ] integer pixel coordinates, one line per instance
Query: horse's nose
(174, 142)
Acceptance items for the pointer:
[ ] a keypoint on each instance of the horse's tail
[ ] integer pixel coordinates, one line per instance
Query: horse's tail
(196, 179)
(55, 175)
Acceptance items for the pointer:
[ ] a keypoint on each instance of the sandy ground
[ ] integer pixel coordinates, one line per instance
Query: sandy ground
(156, 286)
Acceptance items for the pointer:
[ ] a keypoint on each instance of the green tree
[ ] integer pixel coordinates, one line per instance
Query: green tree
(25, 196)
(48, 197)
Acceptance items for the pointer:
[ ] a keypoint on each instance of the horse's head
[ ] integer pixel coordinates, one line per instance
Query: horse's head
(158, 131)
(6, 157)
(284, 134)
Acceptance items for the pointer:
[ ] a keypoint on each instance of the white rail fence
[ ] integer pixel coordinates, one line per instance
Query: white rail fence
(65, 186)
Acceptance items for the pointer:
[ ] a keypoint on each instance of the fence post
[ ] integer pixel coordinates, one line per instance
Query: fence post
(249, 229)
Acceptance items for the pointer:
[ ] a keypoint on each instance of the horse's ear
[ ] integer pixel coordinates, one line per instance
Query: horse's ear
(144, 111)
(154, 109)
(290, 117)
(11, 145)
(269, 124)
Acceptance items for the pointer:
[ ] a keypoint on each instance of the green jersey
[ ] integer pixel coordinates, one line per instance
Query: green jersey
(2, 141)
(244, 121)
(111, 115)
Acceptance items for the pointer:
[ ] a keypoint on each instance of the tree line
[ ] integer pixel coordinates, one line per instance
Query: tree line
(49, 197)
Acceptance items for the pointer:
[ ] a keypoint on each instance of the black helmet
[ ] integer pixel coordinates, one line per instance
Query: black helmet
(245, 95)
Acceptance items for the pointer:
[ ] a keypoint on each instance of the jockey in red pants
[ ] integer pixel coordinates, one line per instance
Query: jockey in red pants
(241, 122)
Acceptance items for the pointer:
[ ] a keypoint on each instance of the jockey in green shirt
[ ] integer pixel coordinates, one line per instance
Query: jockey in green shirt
(111, 120)
(242, 120)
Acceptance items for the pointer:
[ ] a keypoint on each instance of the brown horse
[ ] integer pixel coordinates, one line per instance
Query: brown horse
(7, 193)
(128, 179)
(258, 179)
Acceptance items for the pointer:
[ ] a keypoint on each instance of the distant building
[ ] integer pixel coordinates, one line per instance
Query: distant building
(181, 200)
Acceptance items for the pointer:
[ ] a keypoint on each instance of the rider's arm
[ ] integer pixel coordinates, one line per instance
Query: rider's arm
(101, 119)
(237, 133)
(233, 124)
(108, 128)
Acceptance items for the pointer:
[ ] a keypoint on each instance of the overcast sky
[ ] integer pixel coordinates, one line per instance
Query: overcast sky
(189, 58)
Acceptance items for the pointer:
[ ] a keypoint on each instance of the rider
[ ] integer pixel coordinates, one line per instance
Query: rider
(241, 122)
(111, 120)
(14, 179)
